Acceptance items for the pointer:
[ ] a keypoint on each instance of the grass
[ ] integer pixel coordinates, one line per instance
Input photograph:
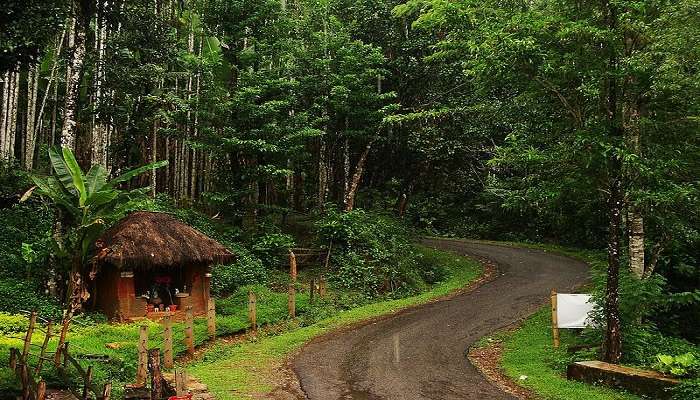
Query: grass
(242, 370)
(528, 351)
(122, 363)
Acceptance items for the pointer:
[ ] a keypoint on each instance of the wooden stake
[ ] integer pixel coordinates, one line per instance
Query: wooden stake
(156, 377)
(180, 382)
(167, 342)
(291, 302)
(62, 338)
(189, 331)
(252, 310)
(88, 382)
(211, 318)
(312, 287)
(41, 390)
(292, 266)
(107, 391)
(555, 321)
(322, 286)
(28, 337)
(142, 367)
(40, 363)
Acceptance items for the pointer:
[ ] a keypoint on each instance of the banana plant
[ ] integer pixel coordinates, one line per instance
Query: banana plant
(88, 201)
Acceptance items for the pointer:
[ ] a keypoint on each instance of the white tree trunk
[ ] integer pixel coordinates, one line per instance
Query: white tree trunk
(3, 115)
(13, 116)
(77, 58)
(30, 131)
(52, 76)
(99, 129)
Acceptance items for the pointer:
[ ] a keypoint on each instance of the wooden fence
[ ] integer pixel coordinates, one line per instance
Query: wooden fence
(33, 387)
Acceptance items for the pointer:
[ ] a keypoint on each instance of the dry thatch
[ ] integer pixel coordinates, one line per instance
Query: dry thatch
(144, 240)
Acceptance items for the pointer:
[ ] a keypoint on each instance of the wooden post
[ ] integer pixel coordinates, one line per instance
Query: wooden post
(65, 355)
(141, 369)
(88, 382)
(42, 354)
(322, 286)
(41, 390)
(107, 391)
(180, 382)
(291, 302)
(211, 318)
(252, 311)
(156, 377)
(555, 321)
(28, 337)
(189, 331)
(292, 266)
(62, 338)
(312, 287)
(24, 379)
(168, 342)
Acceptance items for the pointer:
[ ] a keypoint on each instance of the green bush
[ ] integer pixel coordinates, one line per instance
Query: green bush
(372, 253)
(17, 296)
(246, 270)
(687, 390)
(13, 323)
(682, 365)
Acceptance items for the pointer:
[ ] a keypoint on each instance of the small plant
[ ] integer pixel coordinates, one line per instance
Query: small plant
(682, 365)
(12, 323)
(687, 390)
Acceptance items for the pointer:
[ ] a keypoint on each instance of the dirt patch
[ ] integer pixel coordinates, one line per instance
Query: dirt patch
(487, 360)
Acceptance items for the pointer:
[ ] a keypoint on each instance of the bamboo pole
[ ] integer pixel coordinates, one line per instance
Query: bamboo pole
(62, 338)
(555, 322)
(40, 363)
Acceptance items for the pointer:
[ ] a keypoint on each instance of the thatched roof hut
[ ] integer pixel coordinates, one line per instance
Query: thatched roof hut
(150, 262)
(145, 240)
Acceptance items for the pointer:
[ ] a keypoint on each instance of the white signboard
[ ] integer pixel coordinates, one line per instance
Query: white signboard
(573, 310)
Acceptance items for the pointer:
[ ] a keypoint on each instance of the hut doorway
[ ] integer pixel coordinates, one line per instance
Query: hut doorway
(160, 287)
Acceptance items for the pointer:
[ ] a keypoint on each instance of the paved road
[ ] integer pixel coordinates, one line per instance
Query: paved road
(420, 354)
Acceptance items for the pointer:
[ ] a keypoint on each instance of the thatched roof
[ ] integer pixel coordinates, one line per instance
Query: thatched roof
(145, 240)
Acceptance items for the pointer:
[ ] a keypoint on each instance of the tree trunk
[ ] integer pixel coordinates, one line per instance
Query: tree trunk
(13, 117)
(52, 76)
(322, 175)
(4, 116)
(356, 177)
(30, 131)
(74, 77)
(99, 130)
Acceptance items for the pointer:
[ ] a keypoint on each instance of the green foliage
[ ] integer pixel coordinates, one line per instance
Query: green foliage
(372, 253)
(22, 296)
(682, 365)
(246, 270)
(11, 324)
(686, 390)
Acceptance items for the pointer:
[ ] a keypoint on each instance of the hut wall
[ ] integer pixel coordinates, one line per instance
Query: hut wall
(199, 292)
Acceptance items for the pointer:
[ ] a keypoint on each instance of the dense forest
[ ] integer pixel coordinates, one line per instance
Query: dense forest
(558, 121)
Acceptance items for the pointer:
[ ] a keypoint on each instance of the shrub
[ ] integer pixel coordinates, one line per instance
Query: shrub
(687, 390)
(13, 323)
(372, 253)
(246, 270)
(17, 296)
(682, 365)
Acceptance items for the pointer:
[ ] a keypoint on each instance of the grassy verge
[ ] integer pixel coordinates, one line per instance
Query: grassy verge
(235, 371)
(528, 351)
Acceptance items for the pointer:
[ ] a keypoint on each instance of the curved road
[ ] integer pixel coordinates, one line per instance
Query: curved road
(420, 354)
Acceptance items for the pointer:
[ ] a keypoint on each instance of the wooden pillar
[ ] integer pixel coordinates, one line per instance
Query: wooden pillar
(555, 320)
(189, 331)
(168, 342)
(252, 310)
(291, 302)
(180, 382)
(156, 376)
(142, 368)
(211, 318)
(312, 287)
(292, 266)
(322, 286)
